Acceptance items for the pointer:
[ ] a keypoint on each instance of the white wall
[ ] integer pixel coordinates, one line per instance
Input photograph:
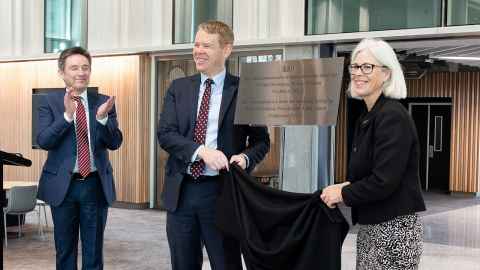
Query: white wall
(134, 24)
(268, 19)
(21, 28)
(123, 24)
(146, 25)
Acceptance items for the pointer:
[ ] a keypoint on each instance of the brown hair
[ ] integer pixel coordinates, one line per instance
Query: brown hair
(71, 51)
(224, 31)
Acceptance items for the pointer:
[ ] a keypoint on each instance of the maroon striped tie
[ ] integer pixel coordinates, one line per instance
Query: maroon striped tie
(81, 130)
(200, 132)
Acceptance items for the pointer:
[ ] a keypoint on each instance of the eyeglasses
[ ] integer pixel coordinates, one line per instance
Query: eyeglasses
(365, 68)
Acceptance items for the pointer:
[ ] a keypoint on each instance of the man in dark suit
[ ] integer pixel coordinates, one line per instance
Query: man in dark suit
(77, 127)
(197, 130)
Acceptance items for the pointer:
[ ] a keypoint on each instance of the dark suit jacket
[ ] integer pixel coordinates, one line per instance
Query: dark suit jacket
(57, 136)
(383, 167)
(176, 127)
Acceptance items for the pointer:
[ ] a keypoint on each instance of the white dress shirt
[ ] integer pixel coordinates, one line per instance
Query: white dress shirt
(84, 98)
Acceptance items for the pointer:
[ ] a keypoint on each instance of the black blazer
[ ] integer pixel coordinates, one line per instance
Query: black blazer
(383, 167)
(176, 127)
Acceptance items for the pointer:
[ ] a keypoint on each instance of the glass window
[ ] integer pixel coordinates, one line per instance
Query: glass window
(65, 24)
(461, 12)
(190, 13)
(343, 16)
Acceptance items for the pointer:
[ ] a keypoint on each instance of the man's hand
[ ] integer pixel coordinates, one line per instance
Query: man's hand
(240, 160)
(69, 103)
(105, 108)
(332, 195)
(214, 159)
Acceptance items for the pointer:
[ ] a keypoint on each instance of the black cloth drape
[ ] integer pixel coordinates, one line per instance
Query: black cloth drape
(279, 230)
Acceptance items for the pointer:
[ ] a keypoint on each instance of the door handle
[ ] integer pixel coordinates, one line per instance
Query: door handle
(430, 151)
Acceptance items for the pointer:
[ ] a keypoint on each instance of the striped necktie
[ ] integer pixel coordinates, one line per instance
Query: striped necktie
(81, 130)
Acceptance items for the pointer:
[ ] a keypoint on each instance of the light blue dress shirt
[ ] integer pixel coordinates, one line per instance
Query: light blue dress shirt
(213, 115)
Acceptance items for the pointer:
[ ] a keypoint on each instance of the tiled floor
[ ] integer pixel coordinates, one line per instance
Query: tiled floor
(135, 239)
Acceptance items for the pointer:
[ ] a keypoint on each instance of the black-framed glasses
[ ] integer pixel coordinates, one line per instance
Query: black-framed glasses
(365, 68)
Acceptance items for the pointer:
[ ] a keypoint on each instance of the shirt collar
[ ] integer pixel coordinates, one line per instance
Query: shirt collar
(217, 79)
(83, 95)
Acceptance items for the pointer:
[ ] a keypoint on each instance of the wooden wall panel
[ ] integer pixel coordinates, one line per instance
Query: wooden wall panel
(143, 142)
(341, 140)
(464, 89)
(341, 146)
(16, 83)
(126, 77)
(270, 165)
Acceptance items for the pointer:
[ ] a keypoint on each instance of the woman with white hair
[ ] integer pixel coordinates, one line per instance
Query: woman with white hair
(383, 186)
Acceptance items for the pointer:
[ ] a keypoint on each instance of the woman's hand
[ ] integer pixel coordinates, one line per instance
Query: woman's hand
(332, 195)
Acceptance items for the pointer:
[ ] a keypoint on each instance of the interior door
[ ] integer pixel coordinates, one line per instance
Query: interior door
(420, 117)
(432, 121)
(439, 147)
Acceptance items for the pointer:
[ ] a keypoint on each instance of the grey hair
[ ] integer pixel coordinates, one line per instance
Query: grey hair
(395, 86)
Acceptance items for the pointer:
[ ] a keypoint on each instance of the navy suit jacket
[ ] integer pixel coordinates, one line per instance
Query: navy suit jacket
(176, 128)
(57, 136)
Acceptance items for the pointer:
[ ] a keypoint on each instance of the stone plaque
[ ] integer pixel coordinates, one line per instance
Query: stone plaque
(296, 92)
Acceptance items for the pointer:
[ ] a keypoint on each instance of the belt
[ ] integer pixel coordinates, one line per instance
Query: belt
(201, 179)
(79, 177)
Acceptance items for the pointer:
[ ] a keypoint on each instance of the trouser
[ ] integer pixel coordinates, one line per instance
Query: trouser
(83, 210)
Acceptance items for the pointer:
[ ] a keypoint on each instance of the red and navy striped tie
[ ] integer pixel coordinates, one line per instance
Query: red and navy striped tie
(81, 130)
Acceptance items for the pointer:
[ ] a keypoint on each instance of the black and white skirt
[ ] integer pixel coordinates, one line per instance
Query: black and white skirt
(394, 244)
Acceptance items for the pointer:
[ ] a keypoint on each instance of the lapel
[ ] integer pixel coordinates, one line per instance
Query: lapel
(92, 112)
(228, 94)
(59, 102)
(193, 93)
(367, 118)
(71, 133)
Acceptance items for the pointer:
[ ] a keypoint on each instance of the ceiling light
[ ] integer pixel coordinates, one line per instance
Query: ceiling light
(465, 58)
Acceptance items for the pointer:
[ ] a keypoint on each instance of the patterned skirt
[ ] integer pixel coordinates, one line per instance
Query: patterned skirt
(394, 244)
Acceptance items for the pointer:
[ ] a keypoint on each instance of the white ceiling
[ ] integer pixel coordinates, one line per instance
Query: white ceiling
(465, 51)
